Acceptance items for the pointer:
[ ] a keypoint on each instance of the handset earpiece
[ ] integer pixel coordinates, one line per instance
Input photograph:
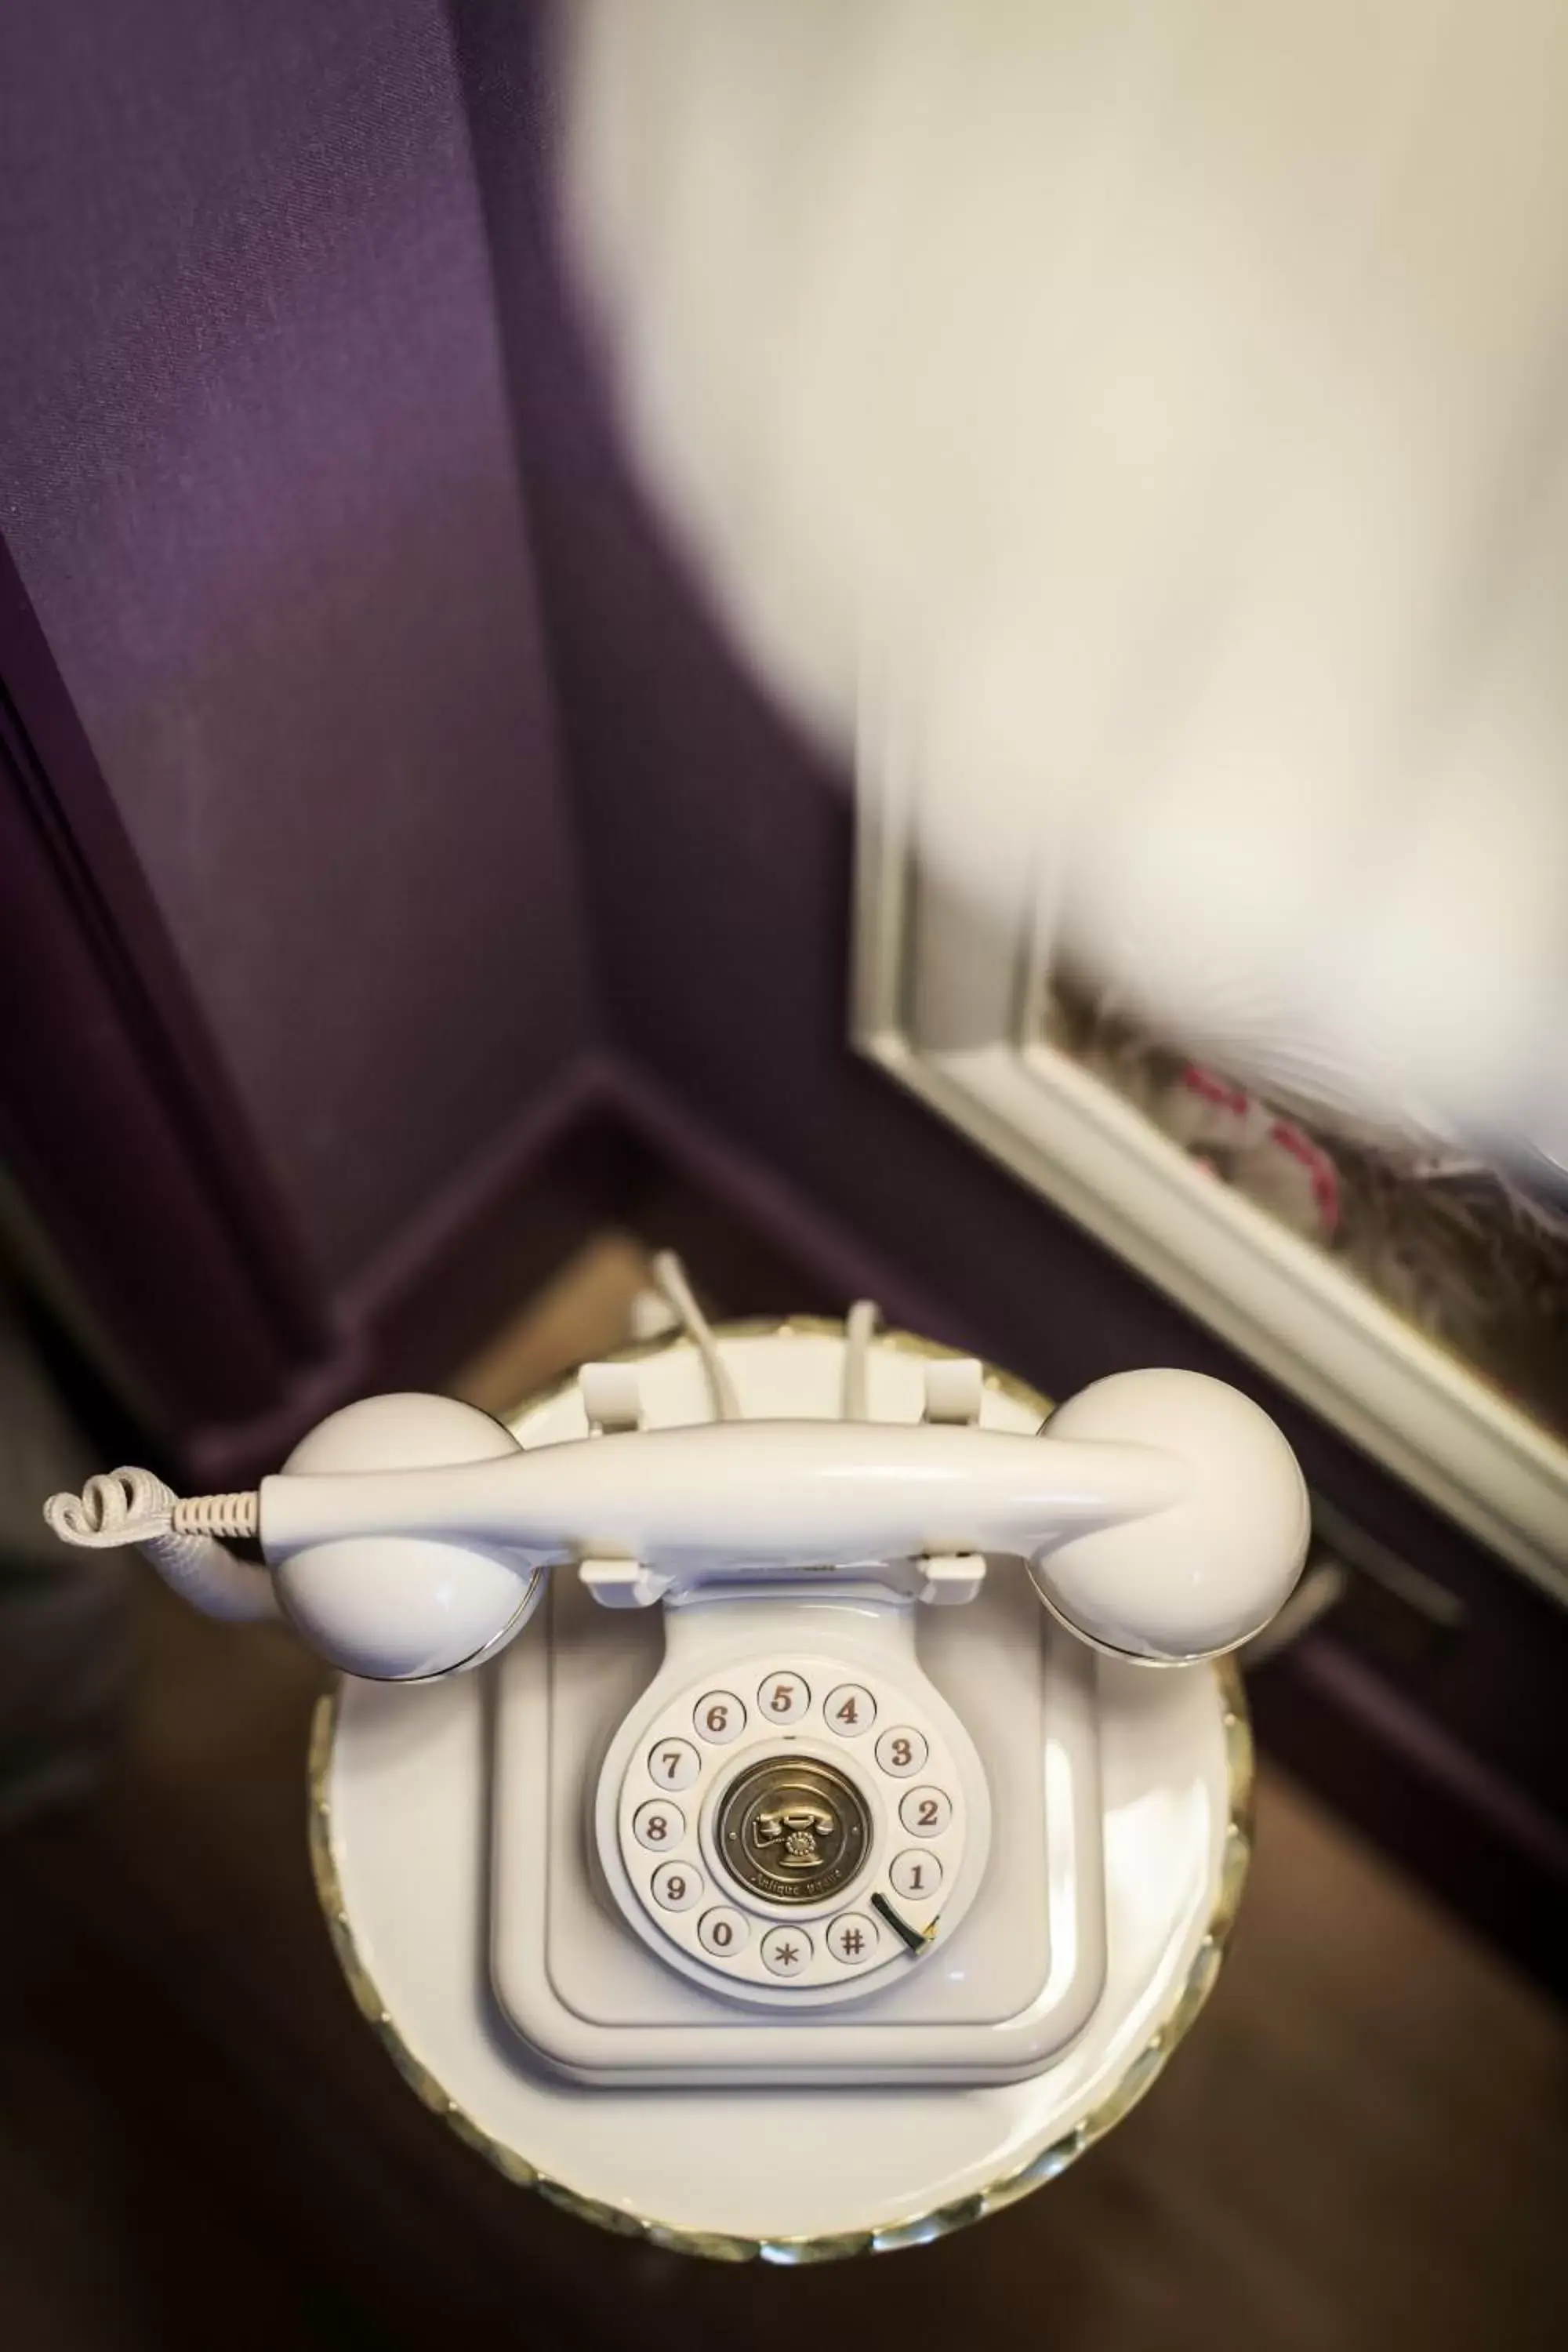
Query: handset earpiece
(401, 1608)
(1209, 1567)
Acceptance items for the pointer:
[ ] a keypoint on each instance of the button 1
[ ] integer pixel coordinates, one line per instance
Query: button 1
(850, 1710)
(723, 1933)
(916, 1876)
(926, 1811)
(673, 1764)
(720, 1718)
(658, 1826)
(853, 1938)
(782, 1698)
(785, 1950)
(675, 1885)
(902, 1751)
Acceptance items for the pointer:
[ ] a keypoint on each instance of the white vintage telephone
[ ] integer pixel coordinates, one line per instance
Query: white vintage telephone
(853, 1828)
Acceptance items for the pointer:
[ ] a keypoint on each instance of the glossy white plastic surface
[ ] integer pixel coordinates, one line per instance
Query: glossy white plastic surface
(1163, 1514)
(406, 1794)
(401, 1607)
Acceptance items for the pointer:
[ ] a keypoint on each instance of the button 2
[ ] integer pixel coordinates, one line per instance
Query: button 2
(782, 1698)
(718, 1717)
(675, 1885)
(850, 1710)
(786, 1951)
(658, 1826)
(926, 1812)
(902, 1751)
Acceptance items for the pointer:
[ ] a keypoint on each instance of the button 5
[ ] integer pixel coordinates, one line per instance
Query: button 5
(782, 1698)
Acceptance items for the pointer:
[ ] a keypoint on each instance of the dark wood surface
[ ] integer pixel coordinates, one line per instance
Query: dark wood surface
(1363, 2142)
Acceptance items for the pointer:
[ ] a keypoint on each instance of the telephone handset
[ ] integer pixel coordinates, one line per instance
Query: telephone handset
(810, 1732)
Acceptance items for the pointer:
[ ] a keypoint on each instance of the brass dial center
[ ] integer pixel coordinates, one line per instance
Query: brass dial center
(792, 1829)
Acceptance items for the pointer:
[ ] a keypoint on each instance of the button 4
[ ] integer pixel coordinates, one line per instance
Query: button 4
(850, 1710)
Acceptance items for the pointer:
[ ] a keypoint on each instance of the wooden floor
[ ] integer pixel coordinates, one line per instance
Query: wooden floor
(1364, 2143)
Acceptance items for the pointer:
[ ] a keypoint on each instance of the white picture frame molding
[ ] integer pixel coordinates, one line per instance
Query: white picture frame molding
(952, 1007)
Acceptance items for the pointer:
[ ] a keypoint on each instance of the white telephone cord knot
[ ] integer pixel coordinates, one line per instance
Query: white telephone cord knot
(181, 1535)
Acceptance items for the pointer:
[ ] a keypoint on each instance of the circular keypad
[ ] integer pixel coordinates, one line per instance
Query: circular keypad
(819, 1827)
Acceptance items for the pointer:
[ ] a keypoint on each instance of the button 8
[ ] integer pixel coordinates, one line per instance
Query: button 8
(658, 1826)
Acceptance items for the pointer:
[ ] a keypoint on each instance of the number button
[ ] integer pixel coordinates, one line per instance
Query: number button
(785, 1950)
(926, 1811)
(916, 1876)
(675, 1885)
(902, 1751)
(658, 1826)
(782, 1698)
(850, 1710)
(852, 1939)
(720, 1718)
(674, 1764)
(723, 1932)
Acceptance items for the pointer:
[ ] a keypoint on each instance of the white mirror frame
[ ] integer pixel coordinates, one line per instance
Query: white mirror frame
(952, 1009)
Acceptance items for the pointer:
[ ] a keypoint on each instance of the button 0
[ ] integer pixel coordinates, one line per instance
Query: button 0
(850, 1710)
(673, 1764)
(926, 1812)
(853, 1939)
(718, 1717)
(902, 1751)
(658, 1826)
(782, 1698)
(724, 1932)
(916, 1876)
(785, 1950)
(675, 1885)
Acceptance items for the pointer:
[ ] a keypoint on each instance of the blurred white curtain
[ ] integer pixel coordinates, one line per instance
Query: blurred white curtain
(1162, 403)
